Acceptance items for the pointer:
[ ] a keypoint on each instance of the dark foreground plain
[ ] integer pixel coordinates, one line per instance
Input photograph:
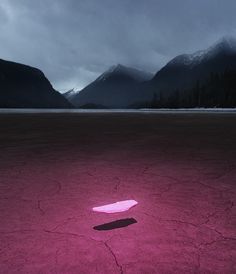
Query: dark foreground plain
(181, 168)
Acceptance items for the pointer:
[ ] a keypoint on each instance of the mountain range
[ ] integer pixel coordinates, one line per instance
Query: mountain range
(185, 70)
(115, 88)
(206, 78)
(122, 87)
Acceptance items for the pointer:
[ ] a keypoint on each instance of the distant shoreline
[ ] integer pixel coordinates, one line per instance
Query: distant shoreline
(144, 110)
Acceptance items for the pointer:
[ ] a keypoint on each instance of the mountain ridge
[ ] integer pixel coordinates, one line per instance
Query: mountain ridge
(226, 43)
(23, 86)
(182, 73)
(122, 81)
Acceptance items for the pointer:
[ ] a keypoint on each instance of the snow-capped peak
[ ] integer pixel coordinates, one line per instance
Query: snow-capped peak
(127, 71)
(225, 44)
(70, 93)
(112, 70)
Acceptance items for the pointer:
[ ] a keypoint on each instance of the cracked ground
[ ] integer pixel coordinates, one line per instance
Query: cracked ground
(181, 168)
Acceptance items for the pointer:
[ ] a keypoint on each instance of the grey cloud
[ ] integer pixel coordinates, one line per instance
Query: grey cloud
(74, 41)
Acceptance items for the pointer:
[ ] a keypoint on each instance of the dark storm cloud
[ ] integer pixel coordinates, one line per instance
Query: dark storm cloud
(73, 41)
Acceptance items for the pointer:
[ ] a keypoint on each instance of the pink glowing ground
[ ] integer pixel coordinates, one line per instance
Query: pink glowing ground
(181, 168)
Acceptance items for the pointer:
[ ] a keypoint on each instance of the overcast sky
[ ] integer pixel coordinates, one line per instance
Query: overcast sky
(73, 41)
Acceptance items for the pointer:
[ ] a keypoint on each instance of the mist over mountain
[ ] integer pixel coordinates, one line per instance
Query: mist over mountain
(115, 88)
(204, 78)
(70, 93)
(188, 71)
(184, 70)
(23, 86)
(173, 86)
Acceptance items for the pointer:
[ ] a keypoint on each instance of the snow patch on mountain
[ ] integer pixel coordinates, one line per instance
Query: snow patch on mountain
(123, 70)
(226, 44)
(70, 94)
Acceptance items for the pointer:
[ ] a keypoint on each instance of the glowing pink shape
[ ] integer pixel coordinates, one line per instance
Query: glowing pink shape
(116, 207)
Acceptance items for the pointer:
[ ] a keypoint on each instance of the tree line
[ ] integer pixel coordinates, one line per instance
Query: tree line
(219, 90)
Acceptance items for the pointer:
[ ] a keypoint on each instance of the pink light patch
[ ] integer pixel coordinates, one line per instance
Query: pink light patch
(116, 207)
